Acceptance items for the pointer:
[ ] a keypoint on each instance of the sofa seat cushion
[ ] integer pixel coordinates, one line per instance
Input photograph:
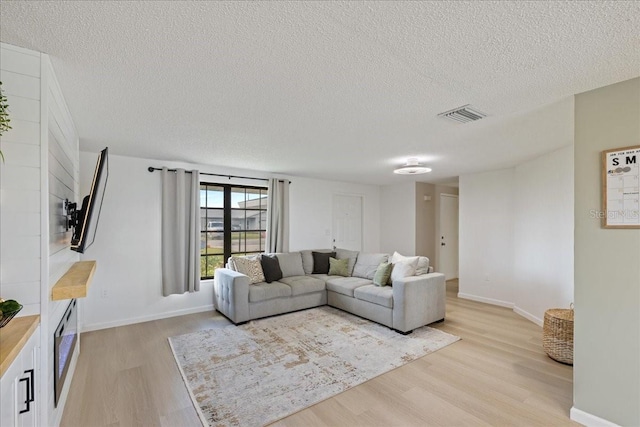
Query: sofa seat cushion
(266, 291)
(346, 285)
(380, 295)
(367, 264)
(301, 285)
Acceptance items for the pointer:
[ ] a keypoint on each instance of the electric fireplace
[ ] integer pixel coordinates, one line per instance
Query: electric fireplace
(64, 343)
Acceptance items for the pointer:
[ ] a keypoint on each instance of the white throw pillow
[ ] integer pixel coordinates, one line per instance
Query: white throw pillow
(404, 269)
(421, 268)
(252, 268)
(396, 257)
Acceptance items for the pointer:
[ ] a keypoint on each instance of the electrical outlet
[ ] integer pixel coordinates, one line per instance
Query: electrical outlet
(104, 294)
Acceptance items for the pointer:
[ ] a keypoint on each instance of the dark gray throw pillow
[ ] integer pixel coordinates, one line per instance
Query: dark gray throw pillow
(321, 262)
(271, 268)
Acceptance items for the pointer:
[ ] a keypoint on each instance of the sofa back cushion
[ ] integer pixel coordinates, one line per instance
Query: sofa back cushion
(307, 259)
(352, 256)
(291, 264)
(367, 264)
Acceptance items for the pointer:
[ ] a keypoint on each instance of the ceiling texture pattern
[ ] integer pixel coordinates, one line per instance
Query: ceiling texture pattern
(335, 90)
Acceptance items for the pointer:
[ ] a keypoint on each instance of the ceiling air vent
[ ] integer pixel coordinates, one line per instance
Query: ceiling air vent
(463, 114)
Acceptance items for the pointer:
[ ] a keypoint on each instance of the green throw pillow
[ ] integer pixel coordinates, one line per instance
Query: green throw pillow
(383, 273)
(339, 267)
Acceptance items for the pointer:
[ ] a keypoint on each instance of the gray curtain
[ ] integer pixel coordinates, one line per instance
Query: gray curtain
(278, 216)
(180, 231)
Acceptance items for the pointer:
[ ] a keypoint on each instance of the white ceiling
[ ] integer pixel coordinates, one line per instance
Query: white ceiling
(336, 90)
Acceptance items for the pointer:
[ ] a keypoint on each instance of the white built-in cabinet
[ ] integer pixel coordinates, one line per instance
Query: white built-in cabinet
(20, 387)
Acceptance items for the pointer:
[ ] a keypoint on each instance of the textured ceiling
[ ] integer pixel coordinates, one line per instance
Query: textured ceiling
(337, 90)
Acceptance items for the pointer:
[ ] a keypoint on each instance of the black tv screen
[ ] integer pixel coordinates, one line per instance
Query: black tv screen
(88, 215)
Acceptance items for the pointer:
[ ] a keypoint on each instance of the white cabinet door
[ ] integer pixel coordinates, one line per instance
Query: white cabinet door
(27, 389)
(19, 387)
(8, 394)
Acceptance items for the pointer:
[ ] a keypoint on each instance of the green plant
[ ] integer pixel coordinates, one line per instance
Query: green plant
(4, 116)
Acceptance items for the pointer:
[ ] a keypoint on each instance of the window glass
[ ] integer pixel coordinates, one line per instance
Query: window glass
(235, 229)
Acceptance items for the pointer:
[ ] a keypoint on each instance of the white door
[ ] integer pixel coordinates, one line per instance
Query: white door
(448, 254)
(347, 222)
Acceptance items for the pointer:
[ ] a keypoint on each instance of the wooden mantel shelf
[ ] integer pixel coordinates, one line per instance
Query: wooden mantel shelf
(75, 282)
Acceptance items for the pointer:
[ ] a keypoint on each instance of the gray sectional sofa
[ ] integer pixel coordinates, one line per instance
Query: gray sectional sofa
(409, 303)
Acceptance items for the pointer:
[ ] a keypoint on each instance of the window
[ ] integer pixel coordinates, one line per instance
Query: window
(233, 223)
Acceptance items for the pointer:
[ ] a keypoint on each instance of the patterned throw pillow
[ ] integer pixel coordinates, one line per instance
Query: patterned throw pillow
(383, 274)
(250, 268)
(338, 267)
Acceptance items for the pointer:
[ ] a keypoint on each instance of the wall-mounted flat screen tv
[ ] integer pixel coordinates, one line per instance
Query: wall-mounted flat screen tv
(88, 215)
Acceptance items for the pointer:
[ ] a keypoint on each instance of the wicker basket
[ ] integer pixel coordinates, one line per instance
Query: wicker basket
(557, 334)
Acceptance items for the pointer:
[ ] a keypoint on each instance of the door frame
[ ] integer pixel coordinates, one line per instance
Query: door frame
(438, 241)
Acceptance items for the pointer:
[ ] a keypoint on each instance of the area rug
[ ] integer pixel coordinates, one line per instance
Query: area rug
(259, 372)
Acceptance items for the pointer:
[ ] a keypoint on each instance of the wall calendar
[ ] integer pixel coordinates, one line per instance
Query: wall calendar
(621, 188)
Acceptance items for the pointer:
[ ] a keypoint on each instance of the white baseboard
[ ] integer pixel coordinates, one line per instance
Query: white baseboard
(528, 316)
(133, 320)
(486, 300)
(588, 419)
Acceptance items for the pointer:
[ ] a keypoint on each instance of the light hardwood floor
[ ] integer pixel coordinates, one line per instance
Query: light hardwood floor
(497, 374)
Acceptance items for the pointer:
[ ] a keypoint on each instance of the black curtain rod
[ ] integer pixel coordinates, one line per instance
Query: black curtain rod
(151, 169)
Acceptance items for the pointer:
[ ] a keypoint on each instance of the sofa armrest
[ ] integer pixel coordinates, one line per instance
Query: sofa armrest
(418, 301)
(231, 294)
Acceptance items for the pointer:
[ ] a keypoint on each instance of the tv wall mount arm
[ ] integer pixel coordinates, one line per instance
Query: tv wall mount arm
(71, 214)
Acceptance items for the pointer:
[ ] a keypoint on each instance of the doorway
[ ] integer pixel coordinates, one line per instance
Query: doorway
(448, 245)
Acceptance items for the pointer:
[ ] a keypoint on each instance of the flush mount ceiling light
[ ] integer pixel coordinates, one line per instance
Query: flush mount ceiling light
(412, 167)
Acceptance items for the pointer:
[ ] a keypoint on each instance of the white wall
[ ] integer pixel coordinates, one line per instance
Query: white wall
(486, 237)
(543, 234)
(311, 205)
(20, 180)
(398, 218)
(127, 244)
(516, 235)
(127, 286)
